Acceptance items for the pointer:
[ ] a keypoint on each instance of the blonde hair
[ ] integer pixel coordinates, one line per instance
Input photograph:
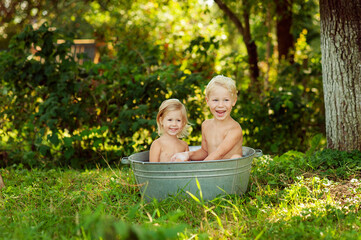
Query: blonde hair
(173, 105)
(223, 81)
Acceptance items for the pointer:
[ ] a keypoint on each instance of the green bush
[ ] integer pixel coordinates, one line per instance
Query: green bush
(56, 112)
(336, 164)
(61, 113)
(288, 115)
(327, 163)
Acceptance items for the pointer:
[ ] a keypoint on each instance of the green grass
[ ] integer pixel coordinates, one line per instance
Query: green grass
(294, 196)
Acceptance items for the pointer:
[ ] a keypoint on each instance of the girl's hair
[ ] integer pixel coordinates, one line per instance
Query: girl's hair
(173, 105)
(223, 81)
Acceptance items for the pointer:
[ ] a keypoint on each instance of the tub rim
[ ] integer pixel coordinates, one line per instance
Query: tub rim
(128, 160)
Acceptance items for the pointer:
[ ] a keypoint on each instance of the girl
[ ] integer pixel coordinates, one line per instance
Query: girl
(172, 124)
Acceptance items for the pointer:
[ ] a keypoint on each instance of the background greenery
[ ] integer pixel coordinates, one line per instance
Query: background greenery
(57, 112)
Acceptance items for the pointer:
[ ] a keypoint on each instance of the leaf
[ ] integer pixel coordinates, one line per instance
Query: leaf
(104, 128)
(69, 152)
(68, 141)
(200, 190)
(43, 149)
(194, 197)
(54, 139)
(97, 142)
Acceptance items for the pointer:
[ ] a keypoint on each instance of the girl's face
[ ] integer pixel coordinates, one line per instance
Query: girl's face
(172, 122)
(220, 102)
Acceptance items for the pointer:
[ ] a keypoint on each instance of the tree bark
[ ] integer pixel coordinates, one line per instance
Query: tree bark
(284, 23)
(251, 46)
(2, 184)
(268, 24)
(341, 72)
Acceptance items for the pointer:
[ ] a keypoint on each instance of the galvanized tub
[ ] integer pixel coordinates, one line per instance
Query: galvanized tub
(204, 179)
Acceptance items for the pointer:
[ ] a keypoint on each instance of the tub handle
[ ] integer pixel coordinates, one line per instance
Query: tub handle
(258, 153)
(125, 160)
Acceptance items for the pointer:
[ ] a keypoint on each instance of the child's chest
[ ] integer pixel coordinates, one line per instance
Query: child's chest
(214, 137)
(173, 148)
(169, 149)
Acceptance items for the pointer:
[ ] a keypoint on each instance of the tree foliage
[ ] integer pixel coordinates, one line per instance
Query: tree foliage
(58, 112)
(69, 112)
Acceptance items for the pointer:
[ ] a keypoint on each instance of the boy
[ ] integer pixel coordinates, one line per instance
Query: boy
(221, 136)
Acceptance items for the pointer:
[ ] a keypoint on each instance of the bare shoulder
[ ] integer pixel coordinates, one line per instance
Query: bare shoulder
(235, 125)
(207, 123)
(235, 128)
(156, 143)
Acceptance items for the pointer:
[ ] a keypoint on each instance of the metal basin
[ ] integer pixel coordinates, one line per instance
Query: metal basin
(217, 177)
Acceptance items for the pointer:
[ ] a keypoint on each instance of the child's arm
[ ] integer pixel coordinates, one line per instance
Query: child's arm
(227, 145)
(181, 156)
(187, 148)
(154, 153)
(201, 153)
(197, 155)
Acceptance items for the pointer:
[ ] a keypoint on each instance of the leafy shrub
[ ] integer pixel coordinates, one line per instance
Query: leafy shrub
(286, 117)
(285, 169)
(46, 89)
(281, 170)
(64, 113)
(336, 164)
(58, 112)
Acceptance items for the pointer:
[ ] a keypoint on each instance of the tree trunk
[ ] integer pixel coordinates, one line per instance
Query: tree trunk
(2, 184)
(341, 72)
(284, 23)
(251, 46)
(268, 49)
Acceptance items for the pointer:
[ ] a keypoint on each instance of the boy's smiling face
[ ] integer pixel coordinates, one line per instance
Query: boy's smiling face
(220, 102)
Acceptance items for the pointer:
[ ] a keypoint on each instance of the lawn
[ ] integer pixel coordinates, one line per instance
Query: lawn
(293, 196)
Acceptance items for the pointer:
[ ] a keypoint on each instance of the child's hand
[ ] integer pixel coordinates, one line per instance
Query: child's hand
(180, 157)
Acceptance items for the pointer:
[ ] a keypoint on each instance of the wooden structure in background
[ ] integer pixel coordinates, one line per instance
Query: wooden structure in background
(87, 46)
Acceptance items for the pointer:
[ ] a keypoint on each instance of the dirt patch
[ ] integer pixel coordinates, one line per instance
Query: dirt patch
(346, 192)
